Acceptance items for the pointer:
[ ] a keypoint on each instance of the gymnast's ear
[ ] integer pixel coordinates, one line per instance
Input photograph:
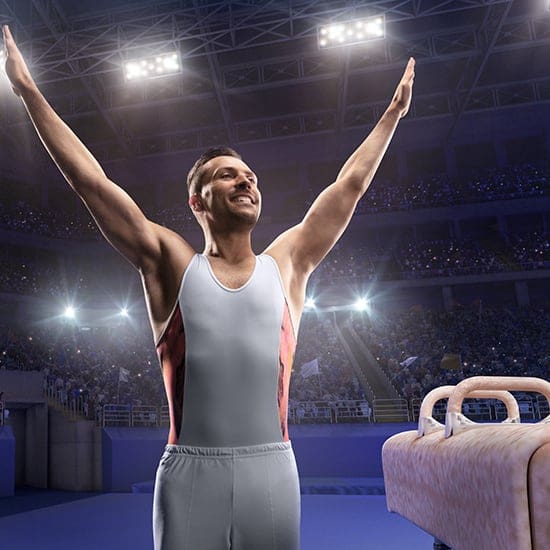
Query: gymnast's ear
(195, 203)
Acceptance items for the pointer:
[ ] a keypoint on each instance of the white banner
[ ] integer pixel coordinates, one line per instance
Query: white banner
(310, 368)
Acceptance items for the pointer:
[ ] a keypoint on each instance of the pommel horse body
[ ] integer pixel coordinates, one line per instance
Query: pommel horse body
(474, 486)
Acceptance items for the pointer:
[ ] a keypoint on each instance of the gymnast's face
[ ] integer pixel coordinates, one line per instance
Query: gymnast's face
(228, 192)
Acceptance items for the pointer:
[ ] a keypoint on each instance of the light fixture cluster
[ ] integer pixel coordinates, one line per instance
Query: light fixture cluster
(70, 312)
(152, 67)
(361, 304)
(351, 32)
(329, 36)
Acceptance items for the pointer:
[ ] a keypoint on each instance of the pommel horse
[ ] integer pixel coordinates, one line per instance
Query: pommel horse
(474, 486)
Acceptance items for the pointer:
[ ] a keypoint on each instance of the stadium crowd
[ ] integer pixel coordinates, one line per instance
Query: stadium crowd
(512, 182)
(521, 181)
(417, 348)
(102, 366)
(415, 259)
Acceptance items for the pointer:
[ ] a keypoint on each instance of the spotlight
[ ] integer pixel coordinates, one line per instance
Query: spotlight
(69, 312)
(361, 305)
(351, 32)
(124, 312)
(310, 303)
(151, 67)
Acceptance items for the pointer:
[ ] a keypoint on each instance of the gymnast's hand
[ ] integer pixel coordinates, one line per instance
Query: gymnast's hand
(16, 68)
(402, 98)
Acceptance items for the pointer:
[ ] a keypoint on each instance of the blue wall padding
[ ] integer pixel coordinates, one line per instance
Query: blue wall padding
(7, 462)
(131, 455)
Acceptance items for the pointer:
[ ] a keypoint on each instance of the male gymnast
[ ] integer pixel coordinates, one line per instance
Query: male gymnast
(225, 323)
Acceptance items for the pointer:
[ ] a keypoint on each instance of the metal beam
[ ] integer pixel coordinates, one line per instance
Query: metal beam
(425, 45)
(106, 37)
(425, 107)
(54, 19)
(216, 75)
(489, 32)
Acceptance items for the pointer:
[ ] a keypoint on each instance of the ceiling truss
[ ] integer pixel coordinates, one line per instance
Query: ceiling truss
(90, 49)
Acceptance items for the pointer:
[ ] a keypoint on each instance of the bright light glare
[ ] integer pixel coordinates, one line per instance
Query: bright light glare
(351, 32)
(124, 312)
(70, 312)
(362, 304)
(310, 303)
(151, 67)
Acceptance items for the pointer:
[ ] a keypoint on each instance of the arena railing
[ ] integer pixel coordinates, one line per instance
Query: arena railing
(164, 415)
(125, 415)
(76, 408)
(116, 416)
(383, 410)
(391, 410)
(144, 416)
(488, 409)
(439, 409)
(352, 410)
(542, 407)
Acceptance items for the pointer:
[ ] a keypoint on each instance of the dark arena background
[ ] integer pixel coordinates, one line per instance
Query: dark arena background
(442, 274)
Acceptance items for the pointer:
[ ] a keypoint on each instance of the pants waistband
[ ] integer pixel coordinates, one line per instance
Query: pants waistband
(229, 451)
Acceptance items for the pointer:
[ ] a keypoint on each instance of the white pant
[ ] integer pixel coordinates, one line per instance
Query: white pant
(227, 498)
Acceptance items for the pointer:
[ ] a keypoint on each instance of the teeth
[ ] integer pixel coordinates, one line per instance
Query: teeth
(243, 199)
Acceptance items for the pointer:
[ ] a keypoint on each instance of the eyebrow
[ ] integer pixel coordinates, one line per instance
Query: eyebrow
(233, 169)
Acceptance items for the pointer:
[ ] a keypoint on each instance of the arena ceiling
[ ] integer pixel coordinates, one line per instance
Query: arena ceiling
(252, 70)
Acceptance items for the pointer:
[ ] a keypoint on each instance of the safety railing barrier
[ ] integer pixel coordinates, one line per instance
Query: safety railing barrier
(303, 412)
(489, 409)
(541, 407)
(312, 412)
(383, 410)
(527, 409)
(164, 416)
(76, 407)
(124, 415)
(439, 410)
(391, 410)
(352, 411)
(144, 416)
(116, 416)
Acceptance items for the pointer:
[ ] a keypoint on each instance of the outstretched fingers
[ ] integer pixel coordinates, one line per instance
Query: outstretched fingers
(403, 92)
(8, 38)
(408, 75)
(16, 68)
(9, 42)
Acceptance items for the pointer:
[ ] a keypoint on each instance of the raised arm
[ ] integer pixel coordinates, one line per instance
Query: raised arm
(119, 218)
(309, 242)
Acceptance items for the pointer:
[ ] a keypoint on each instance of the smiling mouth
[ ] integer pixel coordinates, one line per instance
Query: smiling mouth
(243, 199)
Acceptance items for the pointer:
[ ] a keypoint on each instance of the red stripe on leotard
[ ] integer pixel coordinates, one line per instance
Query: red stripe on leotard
(171, 353)
(287, 347)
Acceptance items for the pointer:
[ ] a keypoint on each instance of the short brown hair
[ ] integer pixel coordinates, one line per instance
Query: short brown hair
(194, 176)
